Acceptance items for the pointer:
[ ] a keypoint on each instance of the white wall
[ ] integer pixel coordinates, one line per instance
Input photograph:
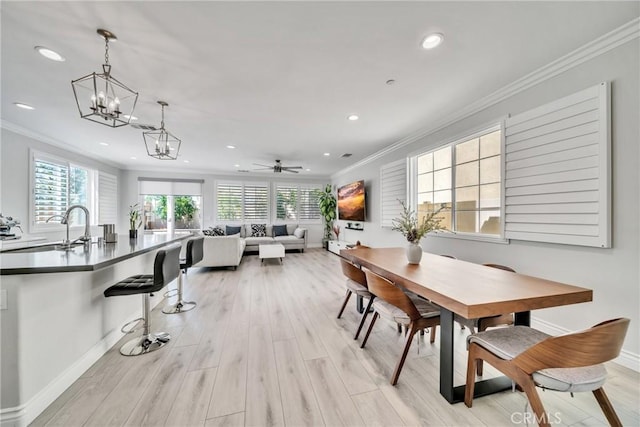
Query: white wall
(613, 274)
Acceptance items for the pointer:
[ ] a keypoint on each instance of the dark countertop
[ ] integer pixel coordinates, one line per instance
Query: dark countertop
(80, 259)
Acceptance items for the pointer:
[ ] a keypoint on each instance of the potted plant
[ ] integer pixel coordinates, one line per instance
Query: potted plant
(135, 221)
(327, 204)
(414, 230)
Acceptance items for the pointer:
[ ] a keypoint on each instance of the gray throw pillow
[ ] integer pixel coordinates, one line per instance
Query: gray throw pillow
(280, 230)
(299, 233)
(230, 231)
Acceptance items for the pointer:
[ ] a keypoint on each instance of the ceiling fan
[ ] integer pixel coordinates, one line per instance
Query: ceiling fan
(278, 167)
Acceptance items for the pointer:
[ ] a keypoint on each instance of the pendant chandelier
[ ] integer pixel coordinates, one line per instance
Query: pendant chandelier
(160, 143)
(100, 97)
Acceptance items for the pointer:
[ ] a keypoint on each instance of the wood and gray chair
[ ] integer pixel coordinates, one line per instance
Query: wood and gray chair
(166, 268)
(194, 254)
(356, 284)
(416, 314)
(570, 363)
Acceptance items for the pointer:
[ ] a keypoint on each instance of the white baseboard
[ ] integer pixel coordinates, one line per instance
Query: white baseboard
(627, 359)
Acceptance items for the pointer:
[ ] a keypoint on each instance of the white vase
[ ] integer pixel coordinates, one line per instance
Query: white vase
(414, 253)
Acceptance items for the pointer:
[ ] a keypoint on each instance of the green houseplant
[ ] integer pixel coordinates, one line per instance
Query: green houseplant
(327, 204)
(135, 220)
(414, 230)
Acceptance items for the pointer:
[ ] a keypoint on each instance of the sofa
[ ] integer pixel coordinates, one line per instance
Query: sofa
(222, 250)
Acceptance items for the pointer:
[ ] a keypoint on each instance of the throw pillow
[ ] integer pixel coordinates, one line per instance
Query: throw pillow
(230, 231)
(280, 230)
(217, 231)
(299, 233)
(258, 230)
(208, 232)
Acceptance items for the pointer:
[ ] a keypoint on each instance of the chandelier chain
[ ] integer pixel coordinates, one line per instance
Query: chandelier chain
(162, 121)
(106, 50)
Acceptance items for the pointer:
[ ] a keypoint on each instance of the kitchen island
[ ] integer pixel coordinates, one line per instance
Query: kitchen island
(55, 322)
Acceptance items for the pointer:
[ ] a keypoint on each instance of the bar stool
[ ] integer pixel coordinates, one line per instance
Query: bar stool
(195, 253)
(166, 268)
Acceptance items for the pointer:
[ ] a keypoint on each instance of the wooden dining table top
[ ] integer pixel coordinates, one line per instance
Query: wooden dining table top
(468, 289)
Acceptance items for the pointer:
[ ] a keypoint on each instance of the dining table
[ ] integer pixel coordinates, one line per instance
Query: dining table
(469, 290)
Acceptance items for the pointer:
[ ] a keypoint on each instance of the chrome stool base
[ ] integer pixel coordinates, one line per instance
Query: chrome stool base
(144, 344)
(179, 307)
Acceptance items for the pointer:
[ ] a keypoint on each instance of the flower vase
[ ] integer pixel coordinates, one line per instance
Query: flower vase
(133, 234)
(414, 253)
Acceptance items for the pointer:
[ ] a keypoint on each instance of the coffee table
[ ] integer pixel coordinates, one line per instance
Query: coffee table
(274, 250)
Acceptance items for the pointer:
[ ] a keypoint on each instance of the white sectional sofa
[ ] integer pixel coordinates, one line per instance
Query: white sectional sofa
(227, 251)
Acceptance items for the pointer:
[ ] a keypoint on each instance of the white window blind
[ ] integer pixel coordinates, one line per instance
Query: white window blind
(286, 202)
(256, 202)
(393, 187)
(107, 198)
(308, 207)
(229, 201)
(50, 188)
(170, 187)
(557, 180)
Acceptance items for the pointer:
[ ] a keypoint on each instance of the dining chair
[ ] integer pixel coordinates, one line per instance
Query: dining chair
(392, 303)
(356, 283)
(571, 363)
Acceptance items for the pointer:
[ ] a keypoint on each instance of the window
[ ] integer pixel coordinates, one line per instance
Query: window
(297, 202)
(58, 184)
(171, 205)
(238, 201)
(466, 178)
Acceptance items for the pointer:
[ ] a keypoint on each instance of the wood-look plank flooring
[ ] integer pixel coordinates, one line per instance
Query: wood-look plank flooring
(263, 347)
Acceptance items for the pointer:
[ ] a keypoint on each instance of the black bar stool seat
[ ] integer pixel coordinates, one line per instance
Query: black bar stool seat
(166, 268)
(194, 254)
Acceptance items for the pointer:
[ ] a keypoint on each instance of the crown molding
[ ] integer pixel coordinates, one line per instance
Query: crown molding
(12, 127)
(597, 47)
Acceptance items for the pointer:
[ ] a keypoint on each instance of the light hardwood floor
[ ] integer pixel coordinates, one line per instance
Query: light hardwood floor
(264, 347)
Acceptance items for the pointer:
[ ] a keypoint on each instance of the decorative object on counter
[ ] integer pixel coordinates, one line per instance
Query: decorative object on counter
(100, 97)
(109, 233)
(327, 204)
(6, 224)
(414, 230)
(336, 230)
(135, 220)
(160, 143)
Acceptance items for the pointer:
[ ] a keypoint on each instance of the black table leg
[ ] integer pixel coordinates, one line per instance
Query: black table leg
(482, 388)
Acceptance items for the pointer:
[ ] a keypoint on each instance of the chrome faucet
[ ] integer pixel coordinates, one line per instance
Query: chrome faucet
(65, 220)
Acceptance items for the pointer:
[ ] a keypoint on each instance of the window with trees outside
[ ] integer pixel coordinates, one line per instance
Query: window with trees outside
(183, 211)
(297, 202)
(58, 184)
(242, 201)
(466, 178)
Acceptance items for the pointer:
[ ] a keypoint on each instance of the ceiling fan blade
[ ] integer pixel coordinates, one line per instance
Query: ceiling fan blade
(288, 170)
(264, 166)
(291, 167)
(263, 169)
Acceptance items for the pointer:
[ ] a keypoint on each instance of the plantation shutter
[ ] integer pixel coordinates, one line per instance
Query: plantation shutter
(256, 202)
(557, 181)
(50, 189)
(286, 202)
(308, 206)
(229, 201)
(393, 187)
(107, 198)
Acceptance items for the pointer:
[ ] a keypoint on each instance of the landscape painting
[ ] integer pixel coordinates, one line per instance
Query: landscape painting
(351, 202)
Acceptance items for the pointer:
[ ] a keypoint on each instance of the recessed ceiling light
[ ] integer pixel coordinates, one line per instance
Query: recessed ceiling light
(104, 144)
(133, 158)
(49, 54)
(128, 117)
(23, 106)
(237, 166)
(432, 40)
(308, 170)
(231, 147)
(186, 161)
(353, 117)
(327, 154)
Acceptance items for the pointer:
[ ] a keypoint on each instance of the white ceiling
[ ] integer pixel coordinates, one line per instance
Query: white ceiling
(278, 79)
